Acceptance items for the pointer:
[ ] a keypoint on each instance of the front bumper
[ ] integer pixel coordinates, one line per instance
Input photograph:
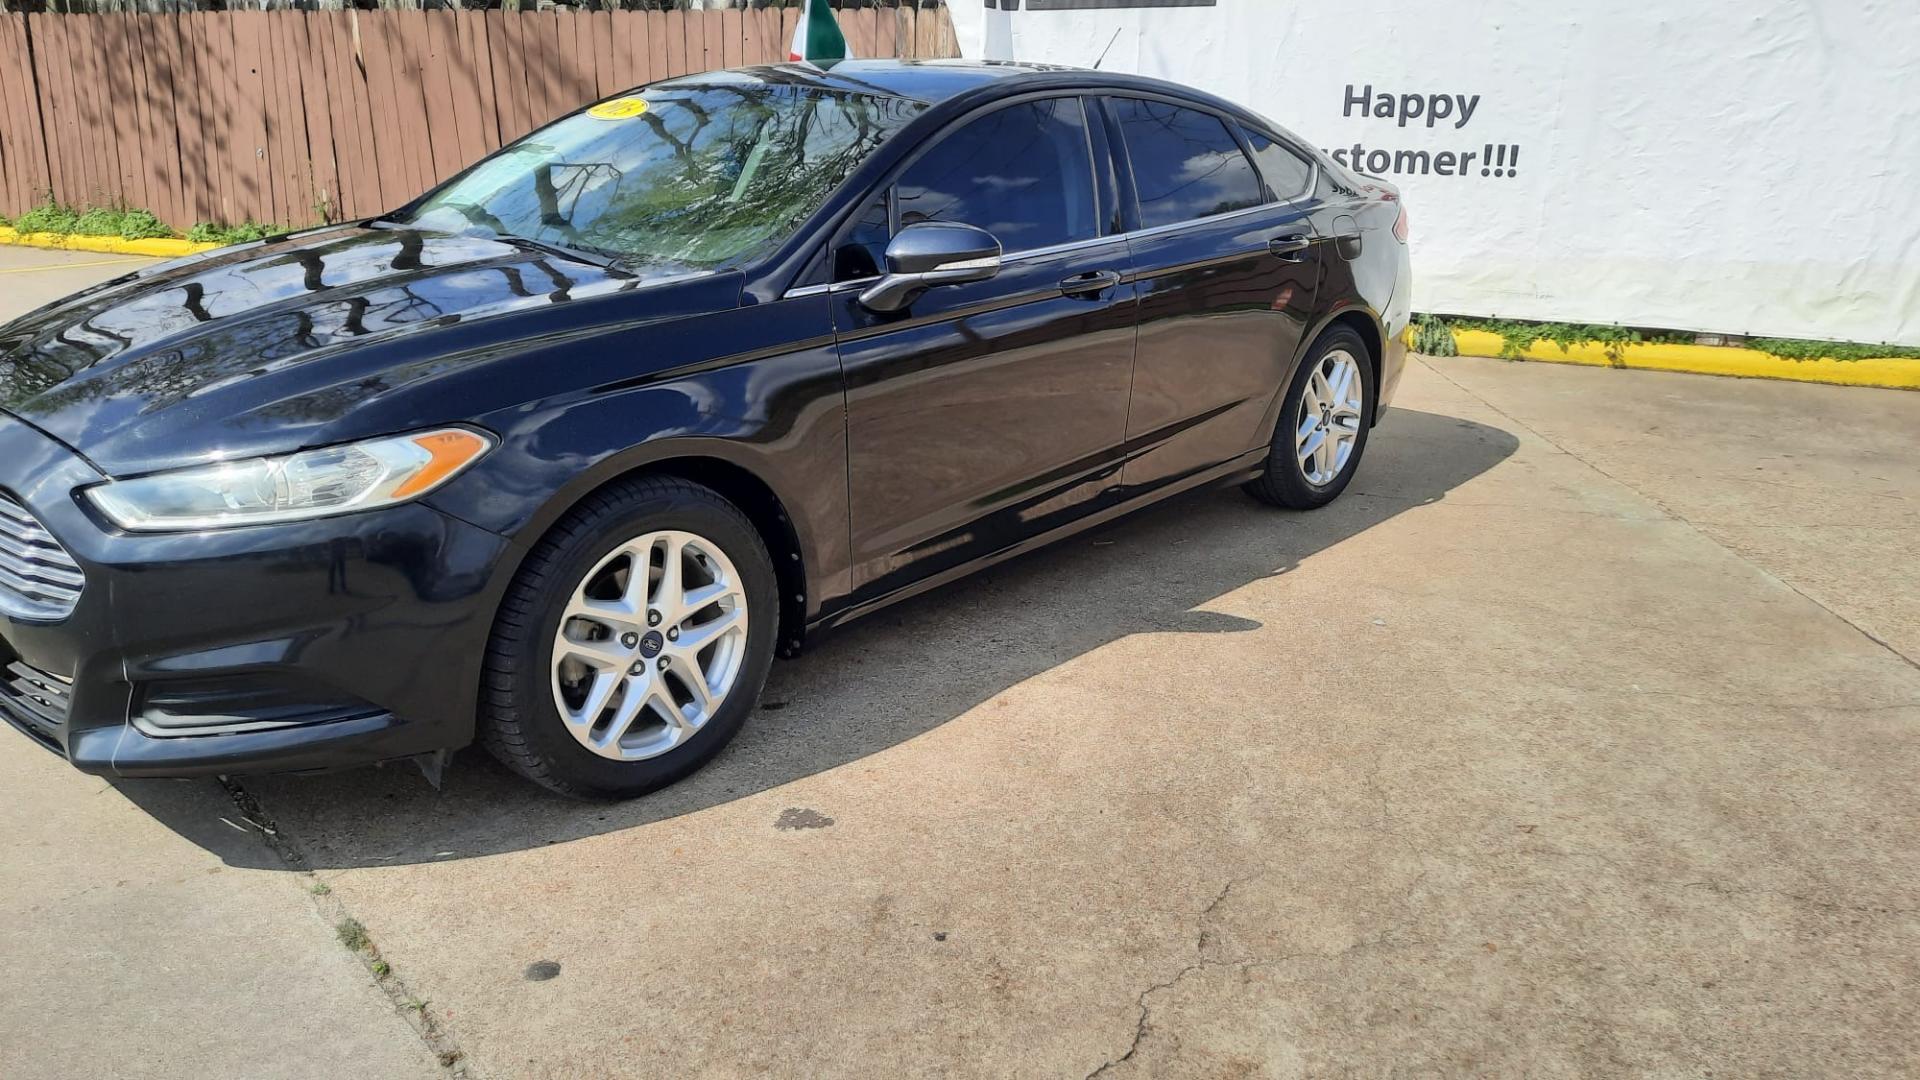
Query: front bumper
(268, 648)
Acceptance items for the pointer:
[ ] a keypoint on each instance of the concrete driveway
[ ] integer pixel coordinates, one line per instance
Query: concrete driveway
(1579, 738)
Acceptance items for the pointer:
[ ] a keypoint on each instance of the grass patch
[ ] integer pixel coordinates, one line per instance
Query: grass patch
(208, 232)
(1799, 349)
(61, 220)
(1517, 337)
(132, 224)
(1432, 333)
(142, 225)
(353, 934)
(321, 888)
(48, 217)
(125, 224)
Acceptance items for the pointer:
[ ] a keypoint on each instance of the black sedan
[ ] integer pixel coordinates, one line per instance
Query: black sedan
(558, 456)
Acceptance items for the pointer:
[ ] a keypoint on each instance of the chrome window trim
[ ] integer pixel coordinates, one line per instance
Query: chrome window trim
(1060, 249)
(1215, 219)
(827, 287)
(1018, 256)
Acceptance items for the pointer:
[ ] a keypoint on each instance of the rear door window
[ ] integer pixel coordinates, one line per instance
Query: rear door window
(1186, 164)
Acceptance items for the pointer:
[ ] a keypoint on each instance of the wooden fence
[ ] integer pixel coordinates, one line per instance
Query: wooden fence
(297, 117)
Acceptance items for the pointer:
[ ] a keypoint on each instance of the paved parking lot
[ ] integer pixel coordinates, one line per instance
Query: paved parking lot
(1579, 738)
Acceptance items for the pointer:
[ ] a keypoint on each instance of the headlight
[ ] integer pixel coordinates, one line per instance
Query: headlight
(309, 484)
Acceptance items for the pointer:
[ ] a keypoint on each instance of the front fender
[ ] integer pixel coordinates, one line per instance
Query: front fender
(778, 416)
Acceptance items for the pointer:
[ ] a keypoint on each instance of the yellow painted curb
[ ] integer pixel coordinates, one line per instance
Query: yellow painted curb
(109, 245)
(1891, 372)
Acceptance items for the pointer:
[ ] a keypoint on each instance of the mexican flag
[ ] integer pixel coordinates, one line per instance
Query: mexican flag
(818, 38)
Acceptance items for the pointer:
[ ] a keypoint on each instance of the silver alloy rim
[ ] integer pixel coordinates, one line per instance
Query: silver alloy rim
(1328, 427)
(651, 643)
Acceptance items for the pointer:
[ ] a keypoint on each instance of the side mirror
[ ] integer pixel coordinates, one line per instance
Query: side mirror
(928, 254)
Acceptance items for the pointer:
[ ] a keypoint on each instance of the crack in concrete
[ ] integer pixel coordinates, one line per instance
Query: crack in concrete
(1144, 1026)
(1143, 1023)
(1385, 827)
(1830, 905)
(334, 913)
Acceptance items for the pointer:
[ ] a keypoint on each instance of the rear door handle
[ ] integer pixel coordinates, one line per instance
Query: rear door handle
(1288, 248)
(1090, 284)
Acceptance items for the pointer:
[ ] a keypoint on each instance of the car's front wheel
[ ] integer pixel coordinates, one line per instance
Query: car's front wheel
(633, 643)
(1324, 420)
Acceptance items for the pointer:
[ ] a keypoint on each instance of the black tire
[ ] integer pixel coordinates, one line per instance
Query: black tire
(519, 723)
(1285, 482)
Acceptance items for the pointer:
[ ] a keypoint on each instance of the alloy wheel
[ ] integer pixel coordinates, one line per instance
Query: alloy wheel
(649, 646)
(1328, 425)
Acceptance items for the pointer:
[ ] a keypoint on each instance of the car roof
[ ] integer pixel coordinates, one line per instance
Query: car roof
(931, 82)
(928, 81)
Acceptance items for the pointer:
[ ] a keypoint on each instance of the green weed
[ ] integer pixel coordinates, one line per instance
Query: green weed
(1517, 336)
(207, 232)
(48, 217)
(353, 934)
(1800, 349)
(1432, 336)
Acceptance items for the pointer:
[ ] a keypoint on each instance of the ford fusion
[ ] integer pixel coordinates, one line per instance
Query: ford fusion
(557, 457)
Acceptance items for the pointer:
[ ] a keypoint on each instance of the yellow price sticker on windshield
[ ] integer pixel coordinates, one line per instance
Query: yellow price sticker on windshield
(618, 109)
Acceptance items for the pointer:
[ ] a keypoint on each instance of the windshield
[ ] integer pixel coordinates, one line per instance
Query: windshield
(699, 176)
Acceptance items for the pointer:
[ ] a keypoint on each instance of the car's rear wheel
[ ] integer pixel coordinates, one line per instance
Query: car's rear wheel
(633, 643)
(1324, 420)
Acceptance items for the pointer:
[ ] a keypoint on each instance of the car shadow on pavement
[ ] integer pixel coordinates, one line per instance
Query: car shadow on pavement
(876, 684)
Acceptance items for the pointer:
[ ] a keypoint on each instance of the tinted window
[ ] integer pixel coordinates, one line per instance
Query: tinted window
(1186, 164)
(1285, 172)
(1022, 173)
(701, 176)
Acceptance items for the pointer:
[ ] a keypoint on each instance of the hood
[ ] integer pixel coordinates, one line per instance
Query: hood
(262, 348)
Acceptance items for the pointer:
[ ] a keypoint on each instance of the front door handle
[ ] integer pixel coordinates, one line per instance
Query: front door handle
(1288, 248)
(1090, 284)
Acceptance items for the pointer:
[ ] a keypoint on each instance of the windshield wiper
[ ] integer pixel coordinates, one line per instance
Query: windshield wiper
(585, 255)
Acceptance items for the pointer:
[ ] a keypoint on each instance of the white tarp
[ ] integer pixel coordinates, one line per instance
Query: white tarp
(1730, 166)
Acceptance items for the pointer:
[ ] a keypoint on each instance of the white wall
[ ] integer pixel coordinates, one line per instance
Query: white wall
(1732, 166)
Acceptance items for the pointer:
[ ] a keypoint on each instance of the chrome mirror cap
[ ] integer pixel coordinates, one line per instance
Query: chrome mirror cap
(932, 253)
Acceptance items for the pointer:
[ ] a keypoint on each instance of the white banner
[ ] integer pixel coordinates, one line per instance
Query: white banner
(1730, 166)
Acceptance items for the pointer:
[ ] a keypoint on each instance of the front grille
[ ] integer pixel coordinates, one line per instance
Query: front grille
(38, 579)
(35, 700)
